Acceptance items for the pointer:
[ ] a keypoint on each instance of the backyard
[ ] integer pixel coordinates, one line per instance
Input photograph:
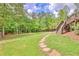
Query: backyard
(26, 45)
(39, 29)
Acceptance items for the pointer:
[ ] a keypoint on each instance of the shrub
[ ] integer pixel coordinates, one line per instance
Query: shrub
(77, 32)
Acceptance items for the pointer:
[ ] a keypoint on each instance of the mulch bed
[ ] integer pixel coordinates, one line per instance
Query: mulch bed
(72, 35)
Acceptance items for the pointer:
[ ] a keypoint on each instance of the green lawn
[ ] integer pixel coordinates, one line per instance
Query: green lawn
(65, 45)
(26, 46)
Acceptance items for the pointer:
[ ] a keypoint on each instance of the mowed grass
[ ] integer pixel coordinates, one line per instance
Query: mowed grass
(65, 45)
(27, 45)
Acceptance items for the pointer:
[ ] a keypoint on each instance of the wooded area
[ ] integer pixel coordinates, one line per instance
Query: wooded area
(13, 20)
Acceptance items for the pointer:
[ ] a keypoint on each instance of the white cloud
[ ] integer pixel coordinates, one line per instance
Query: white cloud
(35, 7)
(71, 12)
(51, 6)
(29, 11)
(56, 13)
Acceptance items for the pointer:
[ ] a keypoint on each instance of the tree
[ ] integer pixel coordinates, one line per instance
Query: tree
(62, 15)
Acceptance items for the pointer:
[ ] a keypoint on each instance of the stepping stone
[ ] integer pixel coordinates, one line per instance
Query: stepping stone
(46, 49)
(54, 53)
(43, 46)
(42, 41)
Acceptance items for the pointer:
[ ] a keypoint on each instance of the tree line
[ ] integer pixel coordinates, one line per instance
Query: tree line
(14, 20)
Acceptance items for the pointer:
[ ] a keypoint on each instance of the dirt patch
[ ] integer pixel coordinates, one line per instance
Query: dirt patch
(72, 35)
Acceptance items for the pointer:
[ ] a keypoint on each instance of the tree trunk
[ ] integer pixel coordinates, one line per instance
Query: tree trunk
(3, 31)
(0, 34)
(17, 31)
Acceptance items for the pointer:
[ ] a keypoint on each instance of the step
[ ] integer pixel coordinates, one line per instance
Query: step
(46, 49)
(43, 46)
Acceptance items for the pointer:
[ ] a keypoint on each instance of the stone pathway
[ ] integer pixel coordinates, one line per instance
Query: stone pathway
(46, 50)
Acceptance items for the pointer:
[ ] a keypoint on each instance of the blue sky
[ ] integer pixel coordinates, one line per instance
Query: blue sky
(48, 7)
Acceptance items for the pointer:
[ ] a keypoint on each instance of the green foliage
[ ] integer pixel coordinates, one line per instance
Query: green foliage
(77, 32)
(77, 28)
(62, 15)
(14, 20)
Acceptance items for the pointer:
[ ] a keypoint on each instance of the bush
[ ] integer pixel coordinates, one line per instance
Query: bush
(77, 32)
